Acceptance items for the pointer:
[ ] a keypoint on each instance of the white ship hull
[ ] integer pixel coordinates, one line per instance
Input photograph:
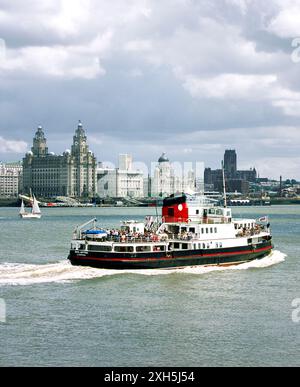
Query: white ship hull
(30, 216)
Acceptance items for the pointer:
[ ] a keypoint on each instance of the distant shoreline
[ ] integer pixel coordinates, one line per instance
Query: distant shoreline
(274, 202)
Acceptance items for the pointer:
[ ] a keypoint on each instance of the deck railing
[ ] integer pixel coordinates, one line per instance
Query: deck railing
(142, 239)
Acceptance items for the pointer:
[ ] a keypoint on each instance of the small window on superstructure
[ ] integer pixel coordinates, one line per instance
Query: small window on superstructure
(140, 249)
(158, 248)
(124, 249)
(170, 211)
(216, 230)
(197, 212)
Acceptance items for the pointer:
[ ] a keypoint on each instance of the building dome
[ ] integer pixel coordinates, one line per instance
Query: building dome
(163, 159)
(29, 153)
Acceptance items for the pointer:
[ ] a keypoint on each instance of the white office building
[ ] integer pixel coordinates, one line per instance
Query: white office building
(165, 182)
(122, 182)
(125, 162)
(10, 179)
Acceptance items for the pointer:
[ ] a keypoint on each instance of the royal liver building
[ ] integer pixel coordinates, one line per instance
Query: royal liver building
(72, 174)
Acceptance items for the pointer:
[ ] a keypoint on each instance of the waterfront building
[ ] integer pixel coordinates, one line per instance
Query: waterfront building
(10, 179)
(248, 175)
(234, 186)
(84, 166)
(230, 163)
(125, 162)
(165, 182)
(163, 179)
(121, 182)
(214, 178)
(147, 186)
(72, 174)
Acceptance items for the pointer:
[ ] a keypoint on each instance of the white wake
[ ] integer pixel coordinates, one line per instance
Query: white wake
(26, 274)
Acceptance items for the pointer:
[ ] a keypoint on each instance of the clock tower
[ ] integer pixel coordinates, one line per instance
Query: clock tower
(83, 166)
(79, 147)
(71, 174)
(39, 148)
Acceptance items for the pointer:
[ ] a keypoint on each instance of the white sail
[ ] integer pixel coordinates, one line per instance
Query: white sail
(22, 209)
(35, 206)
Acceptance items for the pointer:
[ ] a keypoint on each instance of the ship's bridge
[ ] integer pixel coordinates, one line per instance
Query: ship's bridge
(200, 209)
(210, 215)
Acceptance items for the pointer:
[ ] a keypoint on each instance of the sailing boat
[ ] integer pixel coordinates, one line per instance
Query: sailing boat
(35, 211)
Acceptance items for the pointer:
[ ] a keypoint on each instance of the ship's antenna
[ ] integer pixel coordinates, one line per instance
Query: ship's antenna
(224, 185)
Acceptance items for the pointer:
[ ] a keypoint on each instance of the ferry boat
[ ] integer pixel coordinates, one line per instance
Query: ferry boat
(192, 231)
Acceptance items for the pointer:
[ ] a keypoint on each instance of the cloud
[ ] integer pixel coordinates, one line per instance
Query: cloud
(81, 61)
(70, 17)
(183, 76)
(240, 86)
(2, 51)
(286, 23)
(138, 45)
(12, 146)
(241, 4)
(228, 85)
(285, 166)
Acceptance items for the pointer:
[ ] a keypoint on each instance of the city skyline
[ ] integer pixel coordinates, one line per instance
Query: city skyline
(148, 167)
(188, 78)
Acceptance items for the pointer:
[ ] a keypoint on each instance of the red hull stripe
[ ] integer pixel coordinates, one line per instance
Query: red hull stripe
(177, 258)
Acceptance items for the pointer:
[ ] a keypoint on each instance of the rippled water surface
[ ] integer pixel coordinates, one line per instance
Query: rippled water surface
(57, 314)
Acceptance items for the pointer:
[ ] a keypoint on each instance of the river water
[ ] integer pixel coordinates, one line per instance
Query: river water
(59, 315)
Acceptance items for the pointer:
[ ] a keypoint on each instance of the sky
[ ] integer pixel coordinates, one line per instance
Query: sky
(187, 77)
